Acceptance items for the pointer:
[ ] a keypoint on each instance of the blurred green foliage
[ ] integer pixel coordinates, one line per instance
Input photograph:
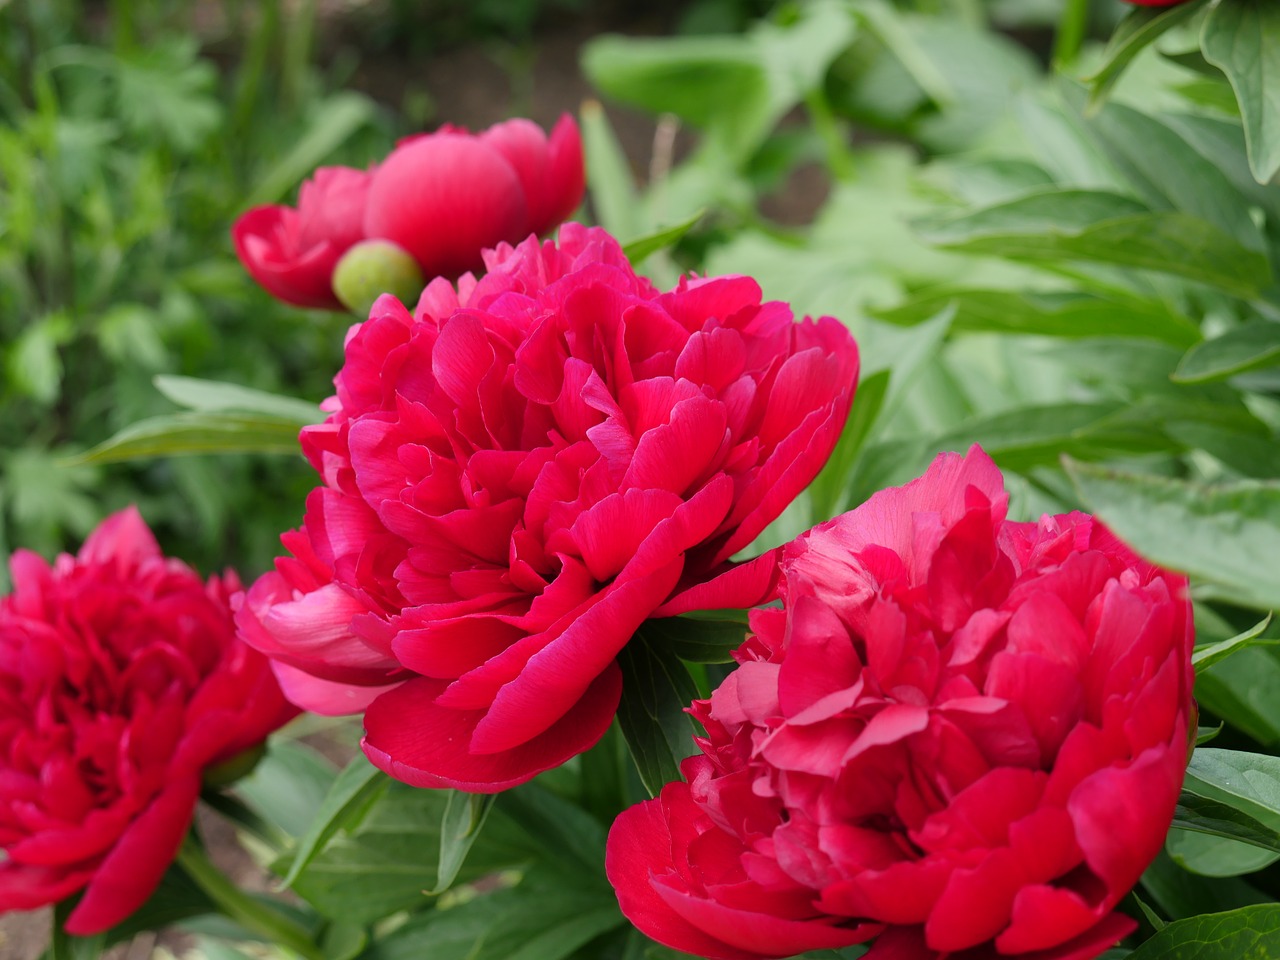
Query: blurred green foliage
(125, 153)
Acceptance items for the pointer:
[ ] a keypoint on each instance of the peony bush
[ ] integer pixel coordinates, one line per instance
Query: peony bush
(633, 613)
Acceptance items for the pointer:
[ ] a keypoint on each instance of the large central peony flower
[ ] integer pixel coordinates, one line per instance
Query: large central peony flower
(515, 478)
(964, 734)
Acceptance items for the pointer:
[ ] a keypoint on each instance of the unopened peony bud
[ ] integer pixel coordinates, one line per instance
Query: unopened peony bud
(372, 268)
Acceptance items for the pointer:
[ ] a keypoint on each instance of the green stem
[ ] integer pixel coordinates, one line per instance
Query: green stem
(250, 913)
(1071, 32)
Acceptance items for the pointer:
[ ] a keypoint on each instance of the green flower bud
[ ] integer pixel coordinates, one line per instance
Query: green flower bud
(372, 268)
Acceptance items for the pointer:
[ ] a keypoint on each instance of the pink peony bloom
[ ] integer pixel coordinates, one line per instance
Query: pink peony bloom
(292, 253)
(964, 734)
(518, 475)
(448, 195)
(121, 680)
(443, 197)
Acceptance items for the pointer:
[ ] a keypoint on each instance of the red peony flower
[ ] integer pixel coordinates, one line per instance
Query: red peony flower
(967, 733)
(120, 681)
(292, 253)
(515, 478)
(448, 195)
(443, 197)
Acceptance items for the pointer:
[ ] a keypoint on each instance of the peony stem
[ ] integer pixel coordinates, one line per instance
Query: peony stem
(249, 912)
(1071, 32)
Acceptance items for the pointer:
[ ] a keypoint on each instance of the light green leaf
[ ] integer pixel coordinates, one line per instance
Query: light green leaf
(359, 784)
(1066, 225)
(333, 121)
(460, 824)
(217, 397)
(1253, 346)
(1139, 28)
(1057, 314)
(1207, 656)
(614, 198)
(831, 484)
(656, 689)
(636, 250)
(1250, 933)
(1250, 782)
(1216, 856)
(181, 434)
(1217, 819)
(1225, 535)
(1242, 38)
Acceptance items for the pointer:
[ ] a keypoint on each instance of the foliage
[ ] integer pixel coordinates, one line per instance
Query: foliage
(1074, 266)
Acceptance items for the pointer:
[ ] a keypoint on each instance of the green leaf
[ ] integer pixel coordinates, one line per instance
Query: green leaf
(64, 946)
(33, 362)
(1067, 225)
(333, 121)
(166, 91)
(182, 434)
(386, 860)
(358, 785)
(698, 639)
(1225, 535)
(831, 484)
(213, 396)
(1253, 346)
(1241, 691)
(289, 785)
(460, 824)
(1215, 818)
(637, 250)
(1139, 28)
(1216, 856)
(1056, 314)
(1206, 656)
(1250, 933)
(1242, 38)
(562, 831)
(547, 916)
(656, 689)
(1180, 893)
(614, 197)
(1247, 782)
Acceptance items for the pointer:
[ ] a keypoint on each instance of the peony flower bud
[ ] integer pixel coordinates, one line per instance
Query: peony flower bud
(372, 268)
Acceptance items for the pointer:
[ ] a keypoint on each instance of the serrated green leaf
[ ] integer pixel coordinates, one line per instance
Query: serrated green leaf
(460, 824)
(213, 396)
(356, 787)
(1253, 346)
(637, 250)
(1250, 933)
(656, 689)
(1225, 535)
(1242, 38)
(1206, 656)
(182, 434)
(1136, 31)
